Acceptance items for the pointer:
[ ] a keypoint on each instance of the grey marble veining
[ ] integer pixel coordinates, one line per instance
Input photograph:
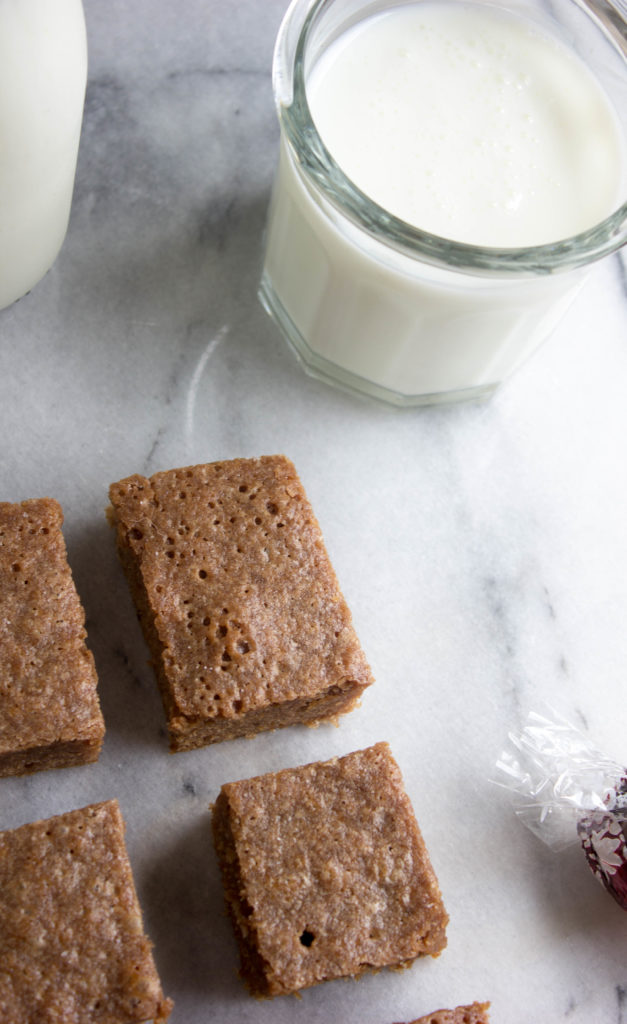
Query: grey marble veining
(482, 548)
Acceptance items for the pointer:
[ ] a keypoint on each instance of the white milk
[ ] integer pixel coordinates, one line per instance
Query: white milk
(469, 123)
(465, 122)
(43, 70)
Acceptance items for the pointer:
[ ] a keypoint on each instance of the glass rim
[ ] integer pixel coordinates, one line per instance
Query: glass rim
(323, 172)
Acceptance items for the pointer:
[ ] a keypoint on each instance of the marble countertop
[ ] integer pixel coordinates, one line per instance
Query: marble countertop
(482, 547)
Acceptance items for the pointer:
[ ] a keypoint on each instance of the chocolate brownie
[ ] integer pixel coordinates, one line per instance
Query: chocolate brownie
(477, 1013)
(239, 603)
(72, 947)
(325, 872)
(49, 711)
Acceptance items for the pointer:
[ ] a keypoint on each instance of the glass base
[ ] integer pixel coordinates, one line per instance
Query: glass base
(323, 369)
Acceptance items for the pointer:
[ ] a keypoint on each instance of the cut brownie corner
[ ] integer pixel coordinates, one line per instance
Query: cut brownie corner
(239, 604)
(72, 940)
(50, 715)
(163, 1011)
(325, 873)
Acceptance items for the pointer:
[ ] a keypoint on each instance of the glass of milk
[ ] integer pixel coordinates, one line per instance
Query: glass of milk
(448, 171)
(43, 72)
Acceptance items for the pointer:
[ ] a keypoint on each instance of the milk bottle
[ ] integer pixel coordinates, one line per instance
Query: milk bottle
(43, 70)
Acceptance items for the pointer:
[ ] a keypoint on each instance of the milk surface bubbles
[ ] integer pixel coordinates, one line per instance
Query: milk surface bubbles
(470, 123)
(43, 71)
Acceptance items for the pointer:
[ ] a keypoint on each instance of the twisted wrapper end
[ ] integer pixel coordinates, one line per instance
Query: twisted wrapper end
(565, 790)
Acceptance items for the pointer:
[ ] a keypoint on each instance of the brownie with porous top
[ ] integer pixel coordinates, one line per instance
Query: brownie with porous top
(72, 945)
(474, 1013)
(240, 606)
(49, 711)
(326, 873)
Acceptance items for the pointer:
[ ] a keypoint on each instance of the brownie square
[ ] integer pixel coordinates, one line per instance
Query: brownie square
(237, 598)
(72, 946)
(476, 1013)
(49, 711)
(325, 873)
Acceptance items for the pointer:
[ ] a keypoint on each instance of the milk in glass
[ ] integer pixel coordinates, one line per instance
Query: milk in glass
(468, 122)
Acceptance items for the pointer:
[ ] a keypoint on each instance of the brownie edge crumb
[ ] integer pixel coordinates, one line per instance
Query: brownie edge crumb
(326, 873)
(237, 598)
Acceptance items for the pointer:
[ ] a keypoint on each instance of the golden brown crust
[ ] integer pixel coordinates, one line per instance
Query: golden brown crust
(326, 873)
(240, 606)
(49, 711)
(474, 1013)
(72, 947)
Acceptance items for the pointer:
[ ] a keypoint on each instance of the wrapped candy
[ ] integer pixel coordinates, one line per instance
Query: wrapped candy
(566, 790)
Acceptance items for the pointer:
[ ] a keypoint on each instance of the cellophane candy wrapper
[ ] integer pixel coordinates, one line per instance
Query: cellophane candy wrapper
(565, 791)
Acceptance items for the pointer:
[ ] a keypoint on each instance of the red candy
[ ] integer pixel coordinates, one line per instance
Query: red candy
(604, 840)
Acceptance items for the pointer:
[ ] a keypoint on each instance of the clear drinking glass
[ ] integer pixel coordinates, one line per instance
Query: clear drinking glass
(43, 72)
(372, 303)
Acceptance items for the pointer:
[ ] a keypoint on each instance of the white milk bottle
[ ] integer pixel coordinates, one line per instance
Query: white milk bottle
(43, 72)
(447, 170)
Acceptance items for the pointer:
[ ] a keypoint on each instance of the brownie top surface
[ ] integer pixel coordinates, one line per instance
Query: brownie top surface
(72, 947)
(334, 869)
(47, 675)
(246, 604)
